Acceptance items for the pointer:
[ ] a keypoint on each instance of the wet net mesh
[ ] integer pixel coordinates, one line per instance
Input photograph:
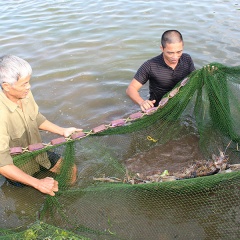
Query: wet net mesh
(120, 194)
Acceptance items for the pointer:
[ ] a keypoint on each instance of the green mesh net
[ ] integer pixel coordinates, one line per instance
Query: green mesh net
(116, 196)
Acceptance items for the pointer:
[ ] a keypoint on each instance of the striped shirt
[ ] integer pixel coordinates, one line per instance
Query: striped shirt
(161, 77)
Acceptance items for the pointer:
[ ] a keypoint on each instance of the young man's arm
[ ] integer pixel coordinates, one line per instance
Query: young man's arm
(133, 92)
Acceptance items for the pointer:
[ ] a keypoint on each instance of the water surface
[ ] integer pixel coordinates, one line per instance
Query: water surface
(85, 53)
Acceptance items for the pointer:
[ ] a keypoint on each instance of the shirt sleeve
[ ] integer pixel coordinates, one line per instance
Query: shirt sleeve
(142, 74)
(5, 157)
(40, 119)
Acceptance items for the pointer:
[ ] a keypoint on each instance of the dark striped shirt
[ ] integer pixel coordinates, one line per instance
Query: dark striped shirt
(161, 77)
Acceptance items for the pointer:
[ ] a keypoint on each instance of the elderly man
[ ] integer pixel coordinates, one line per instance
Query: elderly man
(20, 121)
(163, 71)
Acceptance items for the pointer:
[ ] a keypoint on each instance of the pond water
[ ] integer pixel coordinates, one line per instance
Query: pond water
(85, 53)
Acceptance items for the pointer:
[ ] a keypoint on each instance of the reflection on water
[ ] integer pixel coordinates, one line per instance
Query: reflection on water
(85, 53)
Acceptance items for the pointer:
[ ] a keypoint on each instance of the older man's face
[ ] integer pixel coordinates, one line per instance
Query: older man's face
(21, 88)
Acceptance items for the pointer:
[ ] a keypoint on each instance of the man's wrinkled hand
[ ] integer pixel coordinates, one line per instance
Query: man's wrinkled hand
(48, 186)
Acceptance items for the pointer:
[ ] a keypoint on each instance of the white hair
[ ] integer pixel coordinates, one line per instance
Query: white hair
(12, 68)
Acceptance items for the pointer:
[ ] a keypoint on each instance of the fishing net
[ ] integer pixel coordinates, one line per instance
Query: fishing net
(126, 189)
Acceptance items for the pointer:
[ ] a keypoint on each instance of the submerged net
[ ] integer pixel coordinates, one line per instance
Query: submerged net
(129, 186)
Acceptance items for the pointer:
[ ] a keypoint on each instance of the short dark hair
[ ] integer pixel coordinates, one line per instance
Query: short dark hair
(171, 36)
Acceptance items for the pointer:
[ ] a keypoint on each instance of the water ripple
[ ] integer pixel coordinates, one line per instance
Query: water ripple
(85, 53)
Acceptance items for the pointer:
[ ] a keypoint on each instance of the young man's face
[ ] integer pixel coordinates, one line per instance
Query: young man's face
(172, 52)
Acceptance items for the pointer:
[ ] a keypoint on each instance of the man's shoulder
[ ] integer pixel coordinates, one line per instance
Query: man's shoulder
(2, 107)
(155, 60)
(3, 113)
(186, 56)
